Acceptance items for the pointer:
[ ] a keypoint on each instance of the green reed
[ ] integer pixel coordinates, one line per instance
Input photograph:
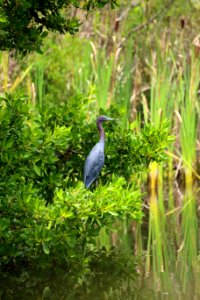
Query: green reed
(161, 85)
(187, 95)
(126, 80)
(82, 69)
(5, 68)
(102, 69)
(39, 82)
(9, 83)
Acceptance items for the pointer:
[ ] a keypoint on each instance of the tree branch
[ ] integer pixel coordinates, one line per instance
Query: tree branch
(141, 26)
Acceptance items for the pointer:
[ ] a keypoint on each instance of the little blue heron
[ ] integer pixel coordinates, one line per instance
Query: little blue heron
(95, 159)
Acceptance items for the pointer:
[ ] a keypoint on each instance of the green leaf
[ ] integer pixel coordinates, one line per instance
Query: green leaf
(71, 242)
(113, 213)
(45, 248)
(37, 170)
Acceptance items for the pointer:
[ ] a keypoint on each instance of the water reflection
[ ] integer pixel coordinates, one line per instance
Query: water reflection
(172, 262)
(158, 259)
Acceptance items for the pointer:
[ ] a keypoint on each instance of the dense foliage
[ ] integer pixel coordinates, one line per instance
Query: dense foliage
(24, 24)
(46, 213)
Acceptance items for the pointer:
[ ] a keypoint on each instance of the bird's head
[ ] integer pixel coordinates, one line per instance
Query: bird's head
(101, 119)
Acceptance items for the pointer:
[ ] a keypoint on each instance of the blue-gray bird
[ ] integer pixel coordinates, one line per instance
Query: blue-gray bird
(95, 159)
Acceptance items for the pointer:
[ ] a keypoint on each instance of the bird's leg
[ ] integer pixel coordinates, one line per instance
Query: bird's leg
(96, 183)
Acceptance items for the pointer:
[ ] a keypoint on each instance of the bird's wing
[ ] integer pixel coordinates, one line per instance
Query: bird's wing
(93, 166)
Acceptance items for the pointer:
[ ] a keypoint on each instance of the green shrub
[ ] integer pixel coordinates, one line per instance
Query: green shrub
(46, 214)
(65, 230)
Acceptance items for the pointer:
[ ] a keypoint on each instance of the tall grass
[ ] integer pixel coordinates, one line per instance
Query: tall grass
(5, 68)
(103, 70)
(125, 84)
(8, 83)
(161, 85)
(39, 82)
(174, 92)
(188, 84)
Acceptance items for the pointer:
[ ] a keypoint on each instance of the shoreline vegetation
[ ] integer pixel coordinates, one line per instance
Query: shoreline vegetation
(139, 63)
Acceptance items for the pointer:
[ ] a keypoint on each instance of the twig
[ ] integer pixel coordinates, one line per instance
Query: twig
(140, 27)
(124, 13)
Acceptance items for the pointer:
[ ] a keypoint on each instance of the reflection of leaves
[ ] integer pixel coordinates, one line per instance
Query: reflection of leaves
(107, 273)
(46, 293)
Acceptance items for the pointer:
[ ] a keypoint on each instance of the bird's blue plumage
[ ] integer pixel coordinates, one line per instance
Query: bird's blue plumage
(95, 159)
(94, 164)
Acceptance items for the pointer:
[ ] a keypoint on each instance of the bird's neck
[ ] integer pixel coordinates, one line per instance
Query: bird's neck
(101, 131)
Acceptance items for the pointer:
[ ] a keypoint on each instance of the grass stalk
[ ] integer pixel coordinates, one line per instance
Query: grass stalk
(162, 72)
(188, 88)
(102, 70)
(39, 82)
(5, 62)
(19, 79)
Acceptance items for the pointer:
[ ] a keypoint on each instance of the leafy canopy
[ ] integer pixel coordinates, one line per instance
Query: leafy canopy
(24, 24)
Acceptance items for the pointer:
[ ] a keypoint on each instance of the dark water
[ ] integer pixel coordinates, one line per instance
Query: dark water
(158, 259)
(29, 285)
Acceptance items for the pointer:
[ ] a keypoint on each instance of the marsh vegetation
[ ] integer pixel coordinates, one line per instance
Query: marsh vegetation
(136, 234)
